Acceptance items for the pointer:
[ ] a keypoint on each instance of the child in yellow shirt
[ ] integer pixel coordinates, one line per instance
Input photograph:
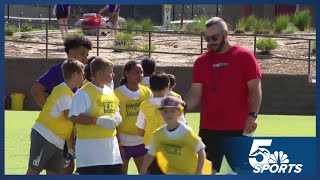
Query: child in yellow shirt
(176, 143)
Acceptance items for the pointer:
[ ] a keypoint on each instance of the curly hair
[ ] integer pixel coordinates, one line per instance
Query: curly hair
(76, 41)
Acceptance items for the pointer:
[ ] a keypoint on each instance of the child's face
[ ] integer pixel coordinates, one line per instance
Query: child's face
(79, 54)
(170, 115)
(135, 75)
(108, 74)
(78, 78)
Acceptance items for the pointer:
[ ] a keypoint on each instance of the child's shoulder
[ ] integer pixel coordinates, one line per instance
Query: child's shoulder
(62, 88)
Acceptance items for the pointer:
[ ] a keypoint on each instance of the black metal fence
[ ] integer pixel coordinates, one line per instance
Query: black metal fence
(199, 35)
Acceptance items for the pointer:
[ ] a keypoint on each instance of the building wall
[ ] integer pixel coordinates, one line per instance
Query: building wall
(282, 94)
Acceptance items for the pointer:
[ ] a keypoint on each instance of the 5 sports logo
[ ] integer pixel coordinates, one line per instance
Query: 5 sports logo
(262, 160)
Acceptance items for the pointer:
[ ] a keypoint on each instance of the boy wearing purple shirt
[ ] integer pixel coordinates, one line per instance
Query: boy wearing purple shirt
(76, 47)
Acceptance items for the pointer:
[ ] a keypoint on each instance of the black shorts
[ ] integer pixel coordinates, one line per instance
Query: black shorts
(61, 15)
(217, 146)
(104, 169)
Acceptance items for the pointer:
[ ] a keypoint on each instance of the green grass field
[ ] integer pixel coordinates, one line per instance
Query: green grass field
(18, 127)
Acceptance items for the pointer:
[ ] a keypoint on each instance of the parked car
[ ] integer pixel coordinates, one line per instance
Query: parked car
(175, 25)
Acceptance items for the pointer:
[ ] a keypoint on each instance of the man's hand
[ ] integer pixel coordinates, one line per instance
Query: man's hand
(251, 125)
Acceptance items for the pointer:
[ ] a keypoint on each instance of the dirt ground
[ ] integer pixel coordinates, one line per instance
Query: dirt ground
(171, 43)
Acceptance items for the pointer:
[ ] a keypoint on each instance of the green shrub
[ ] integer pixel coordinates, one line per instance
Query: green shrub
(123, 39)
(147, 25)
(250, 22)
(241, 25)
(262, 26)
(9, 30)
(302, 20)
(265, 45)
(26, 27)
(129, 25)
(145, 47)
(198, 25)
(281, 23)
(290, 30)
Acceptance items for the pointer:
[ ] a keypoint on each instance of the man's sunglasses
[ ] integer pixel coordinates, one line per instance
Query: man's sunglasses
(214, 37)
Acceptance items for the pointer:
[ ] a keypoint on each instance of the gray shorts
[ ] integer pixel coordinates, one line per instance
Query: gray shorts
(44, 155)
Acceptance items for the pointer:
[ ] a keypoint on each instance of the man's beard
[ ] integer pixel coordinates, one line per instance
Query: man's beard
(220, 46)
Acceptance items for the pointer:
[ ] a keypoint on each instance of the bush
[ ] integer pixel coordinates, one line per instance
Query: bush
(26, 27)
(129, 25)
(281, 23)
(265, 45)
(145, 47)
(9, 30)
(198, 25)
(290, 30)
(262, 26)
(147, 25)
(250, 22)
(123, 39)
(302, 20)
(241, 26)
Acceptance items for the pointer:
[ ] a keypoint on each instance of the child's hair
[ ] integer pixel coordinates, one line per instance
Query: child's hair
(76, 41)
(149, 66)
(129, 65)
(159, 81)
(70, 66)
(98, 64)
(172, 80)
(87, 72)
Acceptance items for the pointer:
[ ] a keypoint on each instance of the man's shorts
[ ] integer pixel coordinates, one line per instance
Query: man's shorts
(44, 155)
(134, 151)
(217, 146)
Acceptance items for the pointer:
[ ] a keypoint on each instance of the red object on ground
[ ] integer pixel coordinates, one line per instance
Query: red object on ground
(92, 21)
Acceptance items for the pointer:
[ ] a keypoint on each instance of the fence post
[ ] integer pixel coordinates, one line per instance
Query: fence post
(201, 39)
(98, 41)
(149, 44)
(254, 45)
(309, 47)
(47, 40)
(8, 12)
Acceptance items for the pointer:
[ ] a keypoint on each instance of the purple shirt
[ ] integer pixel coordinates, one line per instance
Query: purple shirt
(52, 78)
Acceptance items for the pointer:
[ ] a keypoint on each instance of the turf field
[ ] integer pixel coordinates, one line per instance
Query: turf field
(18, 124)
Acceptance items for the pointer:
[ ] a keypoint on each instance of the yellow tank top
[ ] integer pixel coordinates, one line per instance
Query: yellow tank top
(172, 93)
(61, 125)
(179, 154)
(129, 110)
(153, 119)
(102, 105)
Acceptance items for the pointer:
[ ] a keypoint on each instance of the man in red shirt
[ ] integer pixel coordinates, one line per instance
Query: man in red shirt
(227, 82)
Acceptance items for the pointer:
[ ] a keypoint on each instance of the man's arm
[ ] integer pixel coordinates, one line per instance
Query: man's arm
(38, 92)
(194, 95)
(255, 97)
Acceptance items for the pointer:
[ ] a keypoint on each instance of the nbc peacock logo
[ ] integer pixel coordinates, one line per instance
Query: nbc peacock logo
(262, 160)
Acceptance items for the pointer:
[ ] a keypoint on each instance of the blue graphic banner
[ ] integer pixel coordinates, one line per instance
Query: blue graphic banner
(271, 155)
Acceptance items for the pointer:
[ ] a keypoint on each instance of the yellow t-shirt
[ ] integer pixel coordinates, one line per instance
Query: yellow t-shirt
(177, 151)
(102, 105)
(61, 126)
(153, 119)
(129, 109)
(172, 93)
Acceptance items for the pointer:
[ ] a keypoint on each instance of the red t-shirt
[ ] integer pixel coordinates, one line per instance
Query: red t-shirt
(225, 97)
